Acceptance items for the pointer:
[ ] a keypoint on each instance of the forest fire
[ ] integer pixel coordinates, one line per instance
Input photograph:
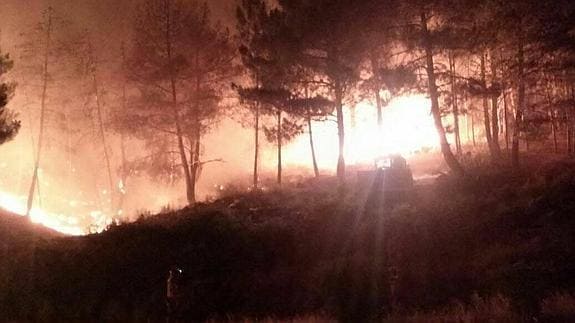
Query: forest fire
(73, 224)
(280, 160)
(407, 128)
(64, 224)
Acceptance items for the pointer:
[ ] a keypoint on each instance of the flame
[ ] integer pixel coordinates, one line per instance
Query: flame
(407, 128)
(69, 225)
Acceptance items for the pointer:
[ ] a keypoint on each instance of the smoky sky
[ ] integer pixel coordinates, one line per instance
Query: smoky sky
(110, 20)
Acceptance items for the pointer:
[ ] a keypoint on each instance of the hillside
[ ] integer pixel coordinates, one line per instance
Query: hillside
(497, 245)
(15, 229)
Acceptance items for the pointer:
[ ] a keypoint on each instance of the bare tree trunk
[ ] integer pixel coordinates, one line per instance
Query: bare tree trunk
(175, 107)
(257, 145)
(569, 134)
(34, 183)
(378, 101)
(473, 129)
(450, 159)
(506, 120)
(454, 103)
(123, 167)
(311, 143)
(101, 129)
(494, 110)
(486, 118)
(520, 106)
(195, 163)
(279, 138)
(340, 130)
(554, 131)
(255, 180)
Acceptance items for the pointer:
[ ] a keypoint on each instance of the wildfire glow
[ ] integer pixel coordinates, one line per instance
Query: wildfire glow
(69, 225)
(407, 128)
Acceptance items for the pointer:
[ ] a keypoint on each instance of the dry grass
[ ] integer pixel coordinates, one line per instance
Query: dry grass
(558, 307)
(299, 319)
(492, 309)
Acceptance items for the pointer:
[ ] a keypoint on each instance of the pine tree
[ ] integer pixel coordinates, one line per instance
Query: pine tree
(9, 126)
(180, 62)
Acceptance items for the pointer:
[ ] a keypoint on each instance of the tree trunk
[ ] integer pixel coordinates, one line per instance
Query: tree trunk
(377, 87)
(506, 117)
(450, 159)
(473, 128)
(494, 110)
(102, 130)
(311, 144)
(279, 138)
(35, 183)
(520, 105)
(257, 145)
(123, 167)
(486, 118)
(256, 138)
(195, 162)
(454, 104)
(197, 131)
(569, 134)
(175, 108)
(340, 131)
(554, 131)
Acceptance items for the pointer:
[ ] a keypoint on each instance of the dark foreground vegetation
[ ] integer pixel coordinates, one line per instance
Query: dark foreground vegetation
(498, 245)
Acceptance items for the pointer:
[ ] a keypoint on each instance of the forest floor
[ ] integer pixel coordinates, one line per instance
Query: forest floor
(498, 245)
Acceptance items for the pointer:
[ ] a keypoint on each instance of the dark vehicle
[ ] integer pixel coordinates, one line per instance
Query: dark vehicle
(395, 176)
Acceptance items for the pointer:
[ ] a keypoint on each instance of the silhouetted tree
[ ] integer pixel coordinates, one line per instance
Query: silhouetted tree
(251, 16)
(328, 44)
(428, 32)
(9, 126)
(180, 62)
